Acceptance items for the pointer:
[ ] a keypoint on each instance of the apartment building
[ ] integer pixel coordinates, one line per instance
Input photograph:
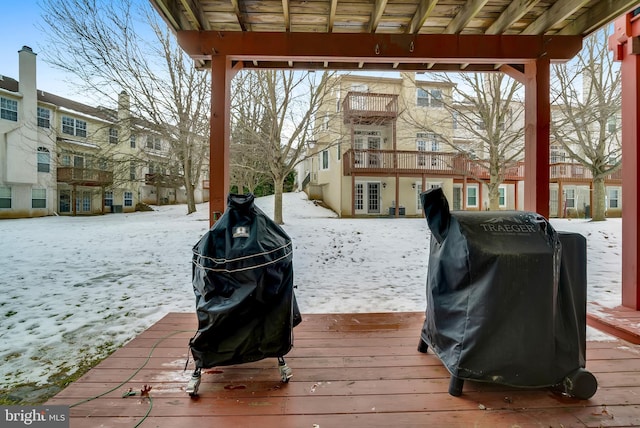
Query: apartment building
(372, 156)
(61, 157)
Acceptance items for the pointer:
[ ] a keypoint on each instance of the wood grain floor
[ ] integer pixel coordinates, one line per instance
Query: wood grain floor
(349, 370)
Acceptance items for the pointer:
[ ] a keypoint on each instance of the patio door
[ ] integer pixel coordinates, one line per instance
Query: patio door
(366, 159)
(367, 198)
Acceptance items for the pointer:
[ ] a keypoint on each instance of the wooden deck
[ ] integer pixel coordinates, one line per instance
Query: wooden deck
(349, 370)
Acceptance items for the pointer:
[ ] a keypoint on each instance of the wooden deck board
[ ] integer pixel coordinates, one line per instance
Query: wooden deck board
(350, 370)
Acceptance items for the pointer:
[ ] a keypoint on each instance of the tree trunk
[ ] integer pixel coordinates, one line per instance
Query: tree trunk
(598, 208)
(494, 196)
(278, 184)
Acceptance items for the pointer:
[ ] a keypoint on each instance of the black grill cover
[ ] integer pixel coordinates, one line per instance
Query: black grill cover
(506, 295)
(243, 282)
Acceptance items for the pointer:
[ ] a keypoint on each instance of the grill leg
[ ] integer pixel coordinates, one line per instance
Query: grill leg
(422, 346)
(194, 383)
(455, 386)
(285, 371)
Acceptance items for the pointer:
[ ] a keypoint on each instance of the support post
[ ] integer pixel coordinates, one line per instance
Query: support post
(536, 139)
(625, 44)
(221, 75)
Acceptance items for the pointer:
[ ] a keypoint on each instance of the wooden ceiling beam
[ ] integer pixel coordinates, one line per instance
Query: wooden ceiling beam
(425, 7)
(378, 10)
(332, 15)
(466, 14)
(238, 13)
(512, 13)
(600, 14)
(560, 10)
(169, 10)
(194, 12)
(377, 47)
(287, 16)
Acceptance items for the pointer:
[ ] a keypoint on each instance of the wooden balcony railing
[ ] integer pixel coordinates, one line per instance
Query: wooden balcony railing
(364, 107)
(573, 171)
(84, 176)
(163, 180)
(389, 162)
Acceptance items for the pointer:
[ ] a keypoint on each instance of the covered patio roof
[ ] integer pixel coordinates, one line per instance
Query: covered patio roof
(518, 37)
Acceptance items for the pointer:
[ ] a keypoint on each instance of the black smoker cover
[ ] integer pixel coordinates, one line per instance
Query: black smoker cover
(243, 282)
(504, 304)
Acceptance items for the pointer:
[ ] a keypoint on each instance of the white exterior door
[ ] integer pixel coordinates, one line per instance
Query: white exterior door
(367, 198)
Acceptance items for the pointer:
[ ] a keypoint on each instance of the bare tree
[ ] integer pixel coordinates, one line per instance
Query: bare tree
(102, 44)
(282, 105)
(486, 115)
(588, 121)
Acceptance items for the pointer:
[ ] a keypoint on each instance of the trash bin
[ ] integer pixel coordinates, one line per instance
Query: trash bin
(242, 276)
(506, 299)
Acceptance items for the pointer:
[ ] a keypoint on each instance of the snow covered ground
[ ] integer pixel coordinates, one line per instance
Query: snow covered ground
(75, 288)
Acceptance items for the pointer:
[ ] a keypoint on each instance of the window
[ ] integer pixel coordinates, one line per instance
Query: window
(557, 155)
(429, 98)
(149, 142)
(480, 124)
(5, 197)
(65, 201)
(570, 198)
(113, 136)
(128, 199)
(132, 171)
(324, 163)
(44, 117)
(66, 160)
(421, 146)
(502, 196)
(8, 109)
(108, 199)
(44, 159)
(38, 198)
(418, 187)
(325, 122)
(132, 141)
(73, 126)
(472, 196)
(612, 125)
(455, 120)
(614, 195)
(338, 151)
(156, 144)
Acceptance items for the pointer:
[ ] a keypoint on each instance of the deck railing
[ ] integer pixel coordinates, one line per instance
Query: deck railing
(84, 176)
(365, 106)
(411, 162)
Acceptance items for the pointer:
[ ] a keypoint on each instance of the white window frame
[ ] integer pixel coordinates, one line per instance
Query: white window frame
(40, 196)
(569, 198)
(113, 135)
(502, 194)
(8, 109)
(73, 126)
(5, 197)
(108, 198)
(324, 160)
(44, 159)
(613, 196)
(128, 199)
(44, 117)
(132, 141)
(468, 195)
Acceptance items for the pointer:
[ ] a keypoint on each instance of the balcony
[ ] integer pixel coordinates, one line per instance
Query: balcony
(368, 108)
(84, 176)
(566, 171)
(388, 162)
(164, 180)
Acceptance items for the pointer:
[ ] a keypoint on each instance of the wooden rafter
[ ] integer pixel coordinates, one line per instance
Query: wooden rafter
(516, 10)
(194, 12)
(378, 10)
(170, 11)
(425, 7)
(332, 15)
(236, 10)
(466, 14)
(556, 13)
(285, 14)
(597, 16)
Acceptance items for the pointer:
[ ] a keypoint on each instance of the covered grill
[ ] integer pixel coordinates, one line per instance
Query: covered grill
(243, 283)
(506, 299)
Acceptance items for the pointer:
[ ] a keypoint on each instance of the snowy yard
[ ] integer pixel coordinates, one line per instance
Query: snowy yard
(77, 288)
